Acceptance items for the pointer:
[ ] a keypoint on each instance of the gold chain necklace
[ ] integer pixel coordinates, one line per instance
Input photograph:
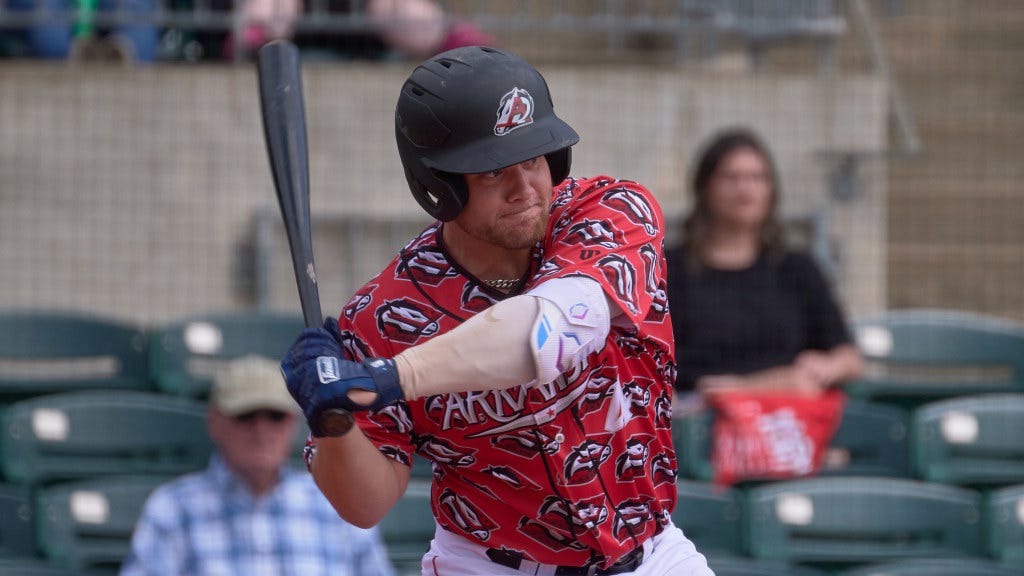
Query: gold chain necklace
(505, 284)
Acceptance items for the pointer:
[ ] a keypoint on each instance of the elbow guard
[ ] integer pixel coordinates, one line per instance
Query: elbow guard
(572, 322)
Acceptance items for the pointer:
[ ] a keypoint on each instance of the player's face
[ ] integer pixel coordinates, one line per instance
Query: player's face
(254, 445)
(509, 207)
(740, 191)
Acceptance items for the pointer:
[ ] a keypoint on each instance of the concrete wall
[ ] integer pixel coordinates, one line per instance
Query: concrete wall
(134, 192)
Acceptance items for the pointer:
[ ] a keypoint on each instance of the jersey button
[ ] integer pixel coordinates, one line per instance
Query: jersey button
(560, 438)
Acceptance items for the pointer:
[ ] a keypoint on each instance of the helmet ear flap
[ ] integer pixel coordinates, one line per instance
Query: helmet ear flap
(559, 162)
(446, 195)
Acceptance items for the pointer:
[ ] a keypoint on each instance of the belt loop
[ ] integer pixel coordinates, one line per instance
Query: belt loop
(592, 570)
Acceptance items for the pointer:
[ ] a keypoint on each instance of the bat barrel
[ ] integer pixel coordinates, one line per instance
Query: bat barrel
(284, 128)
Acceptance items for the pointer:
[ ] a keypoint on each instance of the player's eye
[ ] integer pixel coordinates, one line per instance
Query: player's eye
(494, 173)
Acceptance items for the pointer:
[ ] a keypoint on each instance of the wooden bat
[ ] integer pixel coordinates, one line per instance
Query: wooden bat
(284, 128)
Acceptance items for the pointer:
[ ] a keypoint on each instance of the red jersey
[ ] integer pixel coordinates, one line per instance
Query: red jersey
(581, 469)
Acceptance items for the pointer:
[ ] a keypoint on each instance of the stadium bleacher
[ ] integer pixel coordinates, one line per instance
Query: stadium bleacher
(94, 415)
(43, 351)
(185, 354)
(837, 521)
(974, 439)
(935, 484)
(86, 525)
(17, 526)
(926, 478)
(920, 355)
(1004, 526)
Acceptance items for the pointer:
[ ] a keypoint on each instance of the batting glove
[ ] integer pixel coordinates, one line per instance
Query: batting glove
(319, 378)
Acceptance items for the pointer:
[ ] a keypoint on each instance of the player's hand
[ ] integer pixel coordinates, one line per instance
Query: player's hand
(320, 379)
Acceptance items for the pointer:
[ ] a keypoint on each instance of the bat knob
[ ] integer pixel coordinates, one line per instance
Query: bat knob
(334, 422)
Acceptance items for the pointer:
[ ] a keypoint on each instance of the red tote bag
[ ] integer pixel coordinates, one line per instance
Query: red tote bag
(760, 435)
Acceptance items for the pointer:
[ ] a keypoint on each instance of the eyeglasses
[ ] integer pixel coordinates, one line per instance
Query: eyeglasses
(274, 416)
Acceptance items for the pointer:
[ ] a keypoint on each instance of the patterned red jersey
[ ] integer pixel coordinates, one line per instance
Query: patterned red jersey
(578, 470)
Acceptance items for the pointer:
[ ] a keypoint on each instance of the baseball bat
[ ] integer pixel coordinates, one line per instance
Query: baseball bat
(284, 128)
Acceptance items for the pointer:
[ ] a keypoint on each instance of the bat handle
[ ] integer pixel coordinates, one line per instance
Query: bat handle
(312, 315)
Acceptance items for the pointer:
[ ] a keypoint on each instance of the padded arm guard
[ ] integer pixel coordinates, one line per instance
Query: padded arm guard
(573, 321)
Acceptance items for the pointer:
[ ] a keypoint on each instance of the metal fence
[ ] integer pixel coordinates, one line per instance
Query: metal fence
(894, 123)
(690, 28)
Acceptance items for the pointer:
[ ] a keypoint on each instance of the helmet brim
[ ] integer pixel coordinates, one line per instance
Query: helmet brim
(496, 152)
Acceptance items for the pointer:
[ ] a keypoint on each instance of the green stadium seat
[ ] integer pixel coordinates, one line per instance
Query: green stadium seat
(970, 440)
(88, 524)
(710, 516)
(1004, 526)
(932, 567)
(840, 521)
(421, 468)
(871, 441)
(34, 567)
(739, 566)
(408, 529)
(17, 528)
(52, 351)
(82, 434)
(185, 355)
(691, 435)
(917, 356)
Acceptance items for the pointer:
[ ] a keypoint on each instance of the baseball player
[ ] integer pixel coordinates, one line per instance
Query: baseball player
(521, 343)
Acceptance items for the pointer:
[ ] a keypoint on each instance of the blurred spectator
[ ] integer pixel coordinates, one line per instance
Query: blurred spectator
(248, 512)
(418, 29)
(747, 311)
(79, 38)
(759, 337)
(413, 29)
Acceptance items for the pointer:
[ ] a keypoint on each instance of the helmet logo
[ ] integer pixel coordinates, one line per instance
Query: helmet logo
(514, 111)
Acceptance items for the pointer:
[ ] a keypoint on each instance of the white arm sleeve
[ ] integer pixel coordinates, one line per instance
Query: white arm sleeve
(573, 322)
(521, 340)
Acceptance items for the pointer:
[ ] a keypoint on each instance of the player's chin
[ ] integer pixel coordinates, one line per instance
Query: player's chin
(522, 236)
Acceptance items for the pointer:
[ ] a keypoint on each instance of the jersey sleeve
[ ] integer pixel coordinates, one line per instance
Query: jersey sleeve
(611, 231)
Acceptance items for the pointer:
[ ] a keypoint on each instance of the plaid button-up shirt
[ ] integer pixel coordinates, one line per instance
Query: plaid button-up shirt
(208, 523)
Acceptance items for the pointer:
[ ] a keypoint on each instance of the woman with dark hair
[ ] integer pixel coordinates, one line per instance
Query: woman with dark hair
(748, 312)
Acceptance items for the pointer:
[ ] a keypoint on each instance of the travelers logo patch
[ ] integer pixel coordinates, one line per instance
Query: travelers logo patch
(327, 369)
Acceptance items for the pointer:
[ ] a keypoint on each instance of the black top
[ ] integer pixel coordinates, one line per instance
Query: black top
(745, 320)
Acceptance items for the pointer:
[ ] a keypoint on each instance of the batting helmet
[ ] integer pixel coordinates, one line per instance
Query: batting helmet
(472, 110)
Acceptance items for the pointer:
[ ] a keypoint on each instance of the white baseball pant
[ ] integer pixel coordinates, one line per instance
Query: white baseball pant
(670, 553)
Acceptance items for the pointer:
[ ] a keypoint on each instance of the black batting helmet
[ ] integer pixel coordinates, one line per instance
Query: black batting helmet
(472, 110)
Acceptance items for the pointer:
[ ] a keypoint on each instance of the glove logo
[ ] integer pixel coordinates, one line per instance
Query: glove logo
(327, 369)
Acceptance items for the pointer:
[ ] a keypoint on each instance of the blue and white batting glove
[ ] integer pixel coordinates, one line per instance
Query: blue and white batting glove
(319, 378)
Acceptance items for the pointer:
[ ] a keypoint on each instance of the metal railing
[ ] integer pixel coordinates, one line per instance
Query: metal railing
(758, 23)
